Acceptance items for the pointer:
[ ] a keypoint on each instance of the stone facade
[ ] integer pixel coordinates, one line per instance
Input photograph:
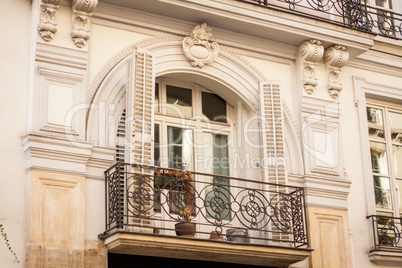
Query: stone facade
(72, 68)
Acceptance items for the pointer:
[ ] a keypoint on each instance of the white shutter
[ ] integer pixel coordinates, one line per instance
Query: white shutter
(140, 109)
(272, 133)
(273, 153)
(139, 131)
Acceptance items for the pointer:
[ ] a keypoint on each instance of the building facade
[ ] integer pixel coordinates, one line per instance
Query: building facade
(274, 128)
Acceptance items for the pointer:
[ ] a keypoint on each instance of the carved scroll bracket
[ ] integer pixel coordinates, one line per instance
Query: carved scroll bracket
(47, 27)
(311, 53)
(198, 48)
(82, 10)
(336, 57)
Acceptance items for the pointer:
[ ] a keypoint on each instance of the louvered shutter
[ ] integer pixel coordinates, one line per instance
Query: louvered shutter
(139, 129)
(273, 153)
(272, 134)
(141, 94)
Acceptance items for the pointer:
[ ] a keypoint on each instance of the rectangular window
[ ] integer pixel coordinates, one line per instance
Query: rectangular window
(385, 133)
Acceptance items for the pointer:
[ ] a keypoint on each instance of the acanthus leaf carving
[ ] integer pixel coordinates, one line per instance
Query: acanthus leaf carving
(311, 52)
(336, 57)
(198, 48)
(47, 26)
(80, 32)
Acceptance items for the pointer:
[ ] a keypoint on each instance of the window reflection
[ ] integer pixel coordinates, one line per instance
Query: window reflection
(180, 151)
(397, 151)
(375, 123)
(382, 192)
(379, 163)
(395, 122)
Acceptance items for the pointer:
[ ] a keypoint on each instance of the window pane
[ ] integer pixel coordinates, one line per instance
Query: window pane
(375, 123)
(214, 107)
(397, 151)
(180, 150)
(179, 101)
(379, 162)
(399, 185)
(382, 192)
(217, 197)
(156, 146)
(395, 124)
(156, 97)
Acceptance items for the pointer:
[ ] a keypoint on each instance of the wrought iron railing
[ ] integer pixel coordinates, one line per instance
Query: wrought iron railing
(152, 200)
(355, 14)
(387, 233)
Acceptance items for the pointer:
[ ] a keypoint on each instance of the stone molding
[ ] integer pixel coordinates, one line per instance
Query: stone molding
(336, 57)
(311, 52)
(48, 26)
(54, 154)
(197, 47)
(82, 10)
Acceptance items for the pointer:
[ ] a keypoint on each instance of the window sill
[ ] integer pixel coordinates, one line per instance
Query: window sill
(386, 258)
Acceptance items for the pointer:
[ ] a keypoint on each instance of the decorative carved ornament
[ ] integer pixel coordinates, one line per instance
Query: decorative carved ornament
(81, 31)
(198, 48)
(86, 6)
(311, 53)
(81, 24)
(47, 27)
(336, 57)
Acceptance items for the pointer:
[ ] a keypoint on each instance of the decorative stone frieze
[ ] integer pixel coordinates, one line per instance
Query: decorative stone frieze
(311, 53)
(336, 57)
(198, 48)
(82, 10)
(47, 27)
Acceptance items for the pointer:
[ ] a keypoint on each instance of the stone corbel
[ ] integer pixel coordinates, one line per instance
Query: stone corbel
(47, 27)
(311, 53)
(336, 57)
(82, 10)
(197, 47)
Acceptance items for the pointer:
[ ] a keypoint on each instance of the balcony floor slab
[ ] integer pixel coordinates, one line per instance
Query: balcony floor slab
(203, 250)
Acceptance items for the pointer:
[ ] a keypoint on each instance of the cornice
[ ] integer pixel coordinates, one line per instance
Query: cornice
(251, 20)
(45, 152)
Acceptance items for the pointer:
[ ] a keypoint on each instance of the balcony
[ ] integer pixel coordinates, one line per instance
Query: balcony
(387, 237)
(234, 220)
(387, 233)
(354, 14)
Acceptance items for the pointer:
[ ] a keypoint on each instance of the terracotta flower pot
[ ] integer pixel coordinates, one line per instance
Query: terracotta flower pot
(186, 229)
(216, 235)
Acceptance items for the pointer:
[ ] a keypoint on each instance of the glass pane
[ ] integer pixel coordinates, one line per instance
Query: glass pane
(379, 162)
(180, 150)
(375, 123)
(214, 107)
(399, 188)
(382, 192)
(156, 97)
(217, 193)
(395, 125)
(179, 101)
(397, 151)
(156, 146)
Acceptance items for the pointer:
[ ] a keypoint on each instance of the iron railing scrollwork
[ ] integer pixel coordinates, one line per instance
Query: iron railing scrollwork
(271, 214)
(387, 233)
(355, 14)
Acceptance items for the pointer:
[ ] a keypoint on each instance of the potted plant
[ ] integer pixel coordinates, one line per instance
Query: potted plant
(181, 187)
